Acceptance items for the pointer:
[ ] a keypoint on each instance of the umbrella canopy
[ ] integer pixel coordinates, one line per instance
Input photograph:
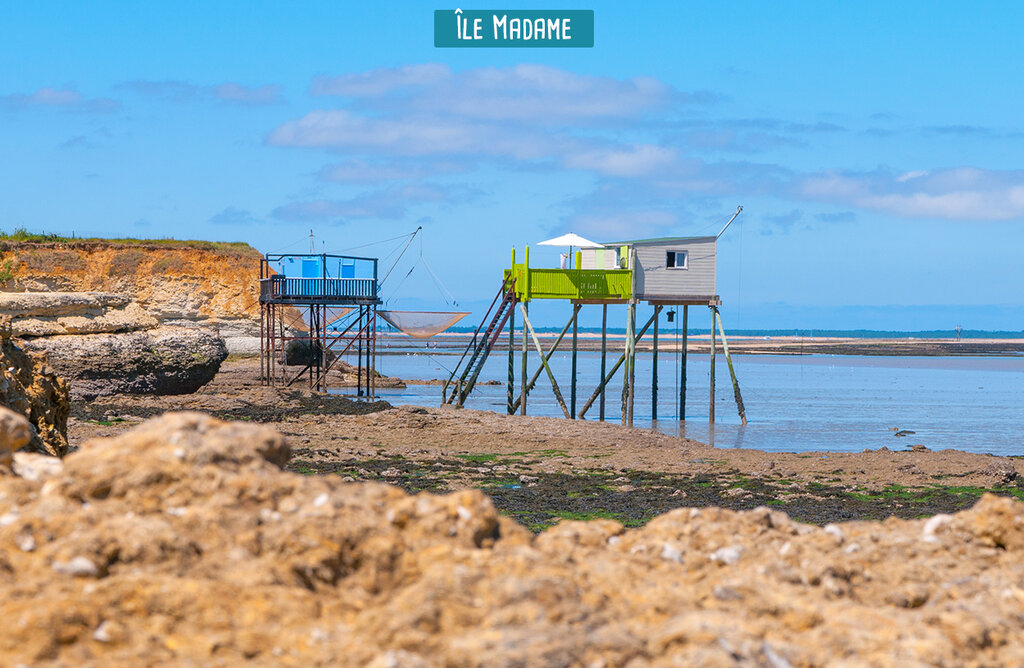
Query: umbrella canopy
(571, 239)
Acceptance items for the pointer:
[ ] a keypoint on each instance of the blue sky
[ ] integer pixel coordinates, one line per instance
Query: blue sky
(875, 147)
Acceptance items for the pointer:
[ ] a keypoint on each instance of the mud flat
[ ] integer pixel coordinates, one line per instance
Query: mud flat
(539, 470)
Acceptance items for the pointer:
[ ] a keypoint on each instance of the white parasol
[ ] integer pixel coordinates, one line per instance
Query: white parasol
(571, 240)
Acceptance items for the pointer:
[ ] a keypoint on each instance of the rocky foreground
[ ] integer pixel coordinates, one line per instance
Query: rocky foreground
(183, 541)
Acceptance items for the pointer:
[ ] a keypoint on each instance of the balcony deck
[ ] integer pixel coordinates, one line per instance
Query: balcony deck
(329, 291)
(572, 284)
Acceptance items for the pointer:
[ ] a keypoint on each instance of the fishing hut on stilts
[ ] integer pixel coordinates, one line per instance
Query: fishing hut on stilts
(674, 273)
(315, 309)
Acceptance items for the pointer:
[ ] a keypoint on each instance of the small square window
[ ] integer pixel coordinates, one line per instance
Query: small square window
(676, 259)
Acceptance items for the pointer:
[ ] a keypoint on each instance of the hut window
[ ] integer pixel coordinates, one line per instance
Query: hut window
(676, 259)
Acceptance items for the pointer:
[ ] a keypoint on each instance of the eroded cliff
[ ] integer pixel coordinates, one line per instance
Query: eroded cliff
(178, 283)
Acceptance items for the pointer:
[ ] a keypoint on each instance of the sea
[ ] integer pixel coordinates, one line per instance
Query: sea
(794, 403)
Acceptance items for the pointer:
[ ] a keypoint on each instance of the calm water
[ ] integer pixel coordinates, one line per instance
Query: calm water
(794, 404)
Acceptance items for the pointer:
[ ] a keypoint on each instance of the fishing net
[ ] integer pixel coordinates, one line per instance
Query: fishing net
(422, 324)
(298, 319)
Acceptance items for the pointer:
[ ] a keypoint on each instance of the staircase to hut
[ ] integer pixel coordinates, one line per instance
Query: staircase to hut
(464, 376)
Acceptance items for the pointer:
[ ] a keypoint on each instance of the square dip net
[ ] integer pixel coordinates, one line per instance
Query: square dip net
(422, 324)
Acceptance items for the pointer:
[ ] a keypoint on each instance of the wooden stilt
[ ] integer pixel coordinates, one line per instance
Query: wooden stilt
(711, 391)
(547, 356)
(632, 362)
(604, 351)
(624, 415)
(524, 307)
(359, 355)
(654, 370)
(611, 374)
(572, 389)
(544, 361)
(732, 373)
(682, 371)
(511, 360)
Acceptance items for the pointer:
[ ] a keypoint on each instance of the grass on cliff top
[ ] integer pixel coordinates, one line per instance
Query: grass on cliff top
(21, 235)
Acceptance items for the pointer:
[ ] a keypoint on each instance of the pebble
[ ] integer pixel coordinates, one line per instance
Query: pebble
(835, 532)
(77, 567)
(671, 553)
(934, 523)
(727, 555)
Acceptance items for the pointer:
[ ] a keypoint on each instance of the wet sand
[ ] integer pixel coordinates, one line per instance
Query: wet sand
(539, 469)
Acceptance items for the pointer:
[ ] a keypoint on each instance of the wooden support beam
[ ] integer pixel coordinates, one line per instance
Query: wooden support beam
(633, 360)
(544, 361)
(524, 307)
(607, 379)
(711, 390)
(575, 343)
(654, 370)
(682, 371)
(732, 373)
(551, 351)
(604, 351)
(630, 344)
(510, 407)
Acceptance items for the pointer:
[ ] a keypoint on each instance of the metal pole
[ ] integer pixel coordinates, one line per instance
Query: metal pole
(654, 371)
(711, 390)
(604, 351)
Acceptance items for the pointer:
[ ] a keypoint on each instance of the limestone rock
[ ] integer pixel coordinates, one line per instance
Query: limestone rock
(179, 283)
(15, 433)
(165, 360)
(30, 388)
(53, 313)
(183, 542)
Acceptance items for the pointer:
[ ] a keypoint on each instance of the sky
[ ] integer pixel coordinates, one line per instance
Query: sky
(875, 147)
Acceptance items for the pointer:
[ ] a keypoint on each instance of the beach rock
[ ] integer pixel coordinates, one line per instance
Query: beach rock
(1002, 472)
(36, 401)
(183, 542)
(165, 360)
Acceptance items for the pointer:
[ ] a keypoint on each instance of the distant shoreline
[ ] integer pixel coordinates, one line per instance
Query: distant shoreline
(454, 343)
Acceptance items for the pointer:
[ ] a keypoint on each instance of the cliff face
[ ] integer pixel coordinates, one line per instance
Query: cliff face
(212, 285)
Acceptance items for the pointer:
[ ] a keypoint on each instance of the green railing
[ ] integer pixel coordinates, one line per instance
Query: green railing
(571, 283)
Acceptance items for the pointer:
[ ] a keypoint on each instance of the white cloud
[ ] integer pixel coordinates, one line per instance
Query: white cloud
(239, 94)
(361, 171)
(184, 91)
(392, 203)
(58, 98)
(537, 94)
(429, 135)
(623, 224)
(382, 81)
(637, 160)
(963, 193)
